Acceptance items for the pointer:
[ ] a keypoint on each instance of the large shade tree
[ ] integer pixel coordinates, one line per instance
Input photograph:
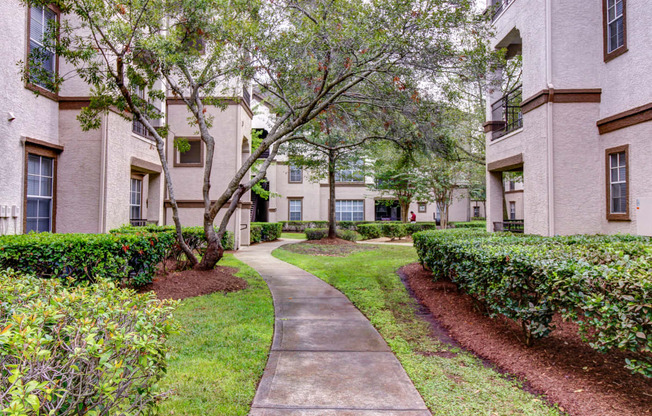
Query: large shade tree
(303, 56)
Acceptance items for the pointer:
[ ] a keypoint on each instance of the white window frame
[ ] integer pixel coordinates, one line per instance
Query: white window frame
(36, 10)
(618, 178)
(614, 17)
(38, 196)
(353, 174)
(295, 174)
(512, 210)
(349, 210)
(136, 198)
(292, 210)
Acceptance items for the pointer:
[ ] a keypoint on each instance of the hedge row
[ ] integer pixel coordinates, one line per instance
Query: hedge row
(471, 224)
(265, 231)
(193, 236)
(393, 229)
(319, 233)
(125, 258)
(603, 283)
(93, 349)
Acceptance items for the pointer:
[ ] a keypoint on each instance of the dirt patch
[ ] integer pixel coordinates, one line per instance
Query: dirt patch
(406, 240)
(328, 247)
(173, 284)
(568, 371)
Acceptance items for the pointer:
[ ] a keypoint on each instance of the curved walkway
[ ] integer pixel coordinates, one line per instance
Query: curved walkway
(326, 358)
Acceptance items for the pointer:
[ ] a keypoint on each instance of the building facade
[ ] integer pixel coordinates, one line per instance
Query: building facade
(579, 125)
(298, 197)
(56, 177)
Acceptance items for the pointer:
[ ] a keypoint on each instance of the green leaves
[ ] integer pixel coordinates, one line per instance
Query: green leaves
(603, 283)
(83, 350)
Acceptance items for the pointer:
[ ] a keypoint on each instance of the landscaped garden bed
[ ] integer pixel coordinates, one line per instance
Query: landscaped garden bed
(583, 381)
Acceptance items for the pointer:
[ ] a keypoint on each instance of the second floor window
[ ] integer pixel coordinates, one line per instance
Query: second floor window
(615, 24)
(42, 59)
(352, 173)
(296, 174)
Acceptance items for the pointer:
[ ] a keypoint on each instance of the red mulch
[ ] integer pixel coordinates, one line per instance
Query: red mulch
(331, 242)
(565, 369)
(173, 284)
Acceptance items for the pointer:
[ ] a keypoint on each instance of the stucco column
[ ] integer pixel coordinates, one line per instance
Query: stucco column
(494, 199)
(154, 197)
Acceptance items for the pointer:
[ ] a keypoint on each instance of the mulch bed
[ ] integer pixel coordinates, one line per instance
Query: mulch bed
(331, 242)
(565, 369)
(174, 284)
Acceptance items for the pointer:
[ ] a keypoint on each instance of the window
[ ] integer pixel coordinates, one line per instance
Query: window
(476, 212)
(296, 174)
(295, 209)
(349, 210)
(40, 191)
(43, 60)
(423, 207)
(617, 167)
(512, 210)
(615, 34)
(193, 157)
(353, 173)
(136, 198)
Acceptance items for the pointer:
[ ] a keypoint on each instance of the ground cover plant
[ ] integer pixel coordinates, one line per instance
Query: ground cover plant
(603, 283)
(471, 224)
(451, 382)
(92, 349)
(218, 359)
(125, 258)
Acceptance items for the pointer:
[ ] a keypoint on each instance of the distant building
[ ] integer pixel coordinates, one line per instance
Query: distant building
(579, 126)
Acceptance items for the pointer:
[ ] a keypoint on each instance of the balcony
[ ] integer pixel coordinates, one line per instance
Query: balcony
(506, 115)
(497, 7)
(246, 97)
(140, 129)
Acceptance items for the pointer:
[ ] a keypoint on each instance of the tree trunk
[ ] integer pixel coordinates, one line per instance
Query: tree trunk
(332, 225)
(405, 206)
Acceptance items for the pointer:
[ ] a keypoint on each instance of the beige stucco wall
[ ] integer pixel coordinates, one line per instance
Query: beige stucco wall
(35, 116)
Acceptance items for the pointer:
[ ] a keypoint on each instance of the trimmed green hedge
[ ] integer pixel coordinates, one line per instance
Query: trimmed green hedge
(93, 349)
(265, 231)
(603, 283)
(319, 233)
(471, 224)
(193, 236)
(393, 229)
(125, 258)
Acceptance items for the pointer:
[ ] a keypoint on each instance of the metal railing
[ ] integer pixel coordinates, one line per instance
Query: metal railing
(511, 226)
(140, 129)
(246, 97)
(497, 7)
(507, 111)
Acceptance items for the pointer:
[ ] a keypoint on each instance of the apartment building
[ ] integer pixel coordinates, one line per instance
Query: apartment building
(579, 126)
(298, 197)
(55, 177)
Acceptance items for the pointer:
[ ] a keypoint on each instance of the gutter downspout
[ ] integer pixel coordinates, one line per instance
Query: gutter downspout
(549, 125)
(103, 156)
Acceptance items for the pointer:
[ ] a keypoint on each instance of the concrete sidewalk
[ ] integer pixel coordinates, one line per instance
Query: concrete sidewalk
(326, 358)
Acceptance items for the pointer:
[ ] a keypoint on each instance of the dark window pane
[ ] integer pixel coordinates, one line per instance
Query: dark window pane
(44, 208)
(44, 225)
(33, 165)
(46, 187)
(193, 155)
(32, 208)
(33, 185)
(31, 225)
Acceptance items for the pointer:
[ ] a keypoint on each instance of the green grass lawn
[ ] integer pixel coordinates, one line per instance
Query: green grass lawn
(294, 236)
(220, 357)
(460, 385)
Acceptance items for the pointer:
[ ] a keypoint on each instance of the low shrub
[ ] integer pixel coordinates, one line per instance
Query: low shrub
(126, 258)
(316, 233)
(193, 236)
(471, 224)
(369, 231)
(603, 283)
(300, 226)
(265, 231)
(348, 235)
(415, 227)
(93, 349)
(393, 230)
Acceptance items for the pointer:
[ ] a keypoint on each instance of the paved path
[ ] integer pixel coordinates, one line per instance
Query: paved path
(326, 358)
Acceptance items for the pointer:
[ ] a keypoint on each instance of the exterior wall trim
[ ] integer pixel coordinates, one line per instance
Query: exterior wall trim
(506, 164)
(625, 119)
(43, 144)
(198, 203)
(345, 184)
(586, 95)
(227, 101)
(145, 166)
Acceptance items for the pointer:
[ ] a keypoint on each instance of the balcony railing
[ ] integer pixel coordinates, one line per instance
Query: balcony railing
(246, 97)
(510, 226)
(506, 113)
(140, 129)
(497, 7)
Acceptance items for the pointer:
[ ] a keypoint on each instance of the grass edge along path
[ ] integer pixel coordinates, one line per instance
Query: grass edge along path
(451, 382)
(294, 236)
(219, 358)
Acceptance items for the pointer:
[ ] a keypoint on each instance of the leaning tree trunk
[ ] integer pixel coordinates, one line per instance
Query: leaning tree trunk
(332, 225)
